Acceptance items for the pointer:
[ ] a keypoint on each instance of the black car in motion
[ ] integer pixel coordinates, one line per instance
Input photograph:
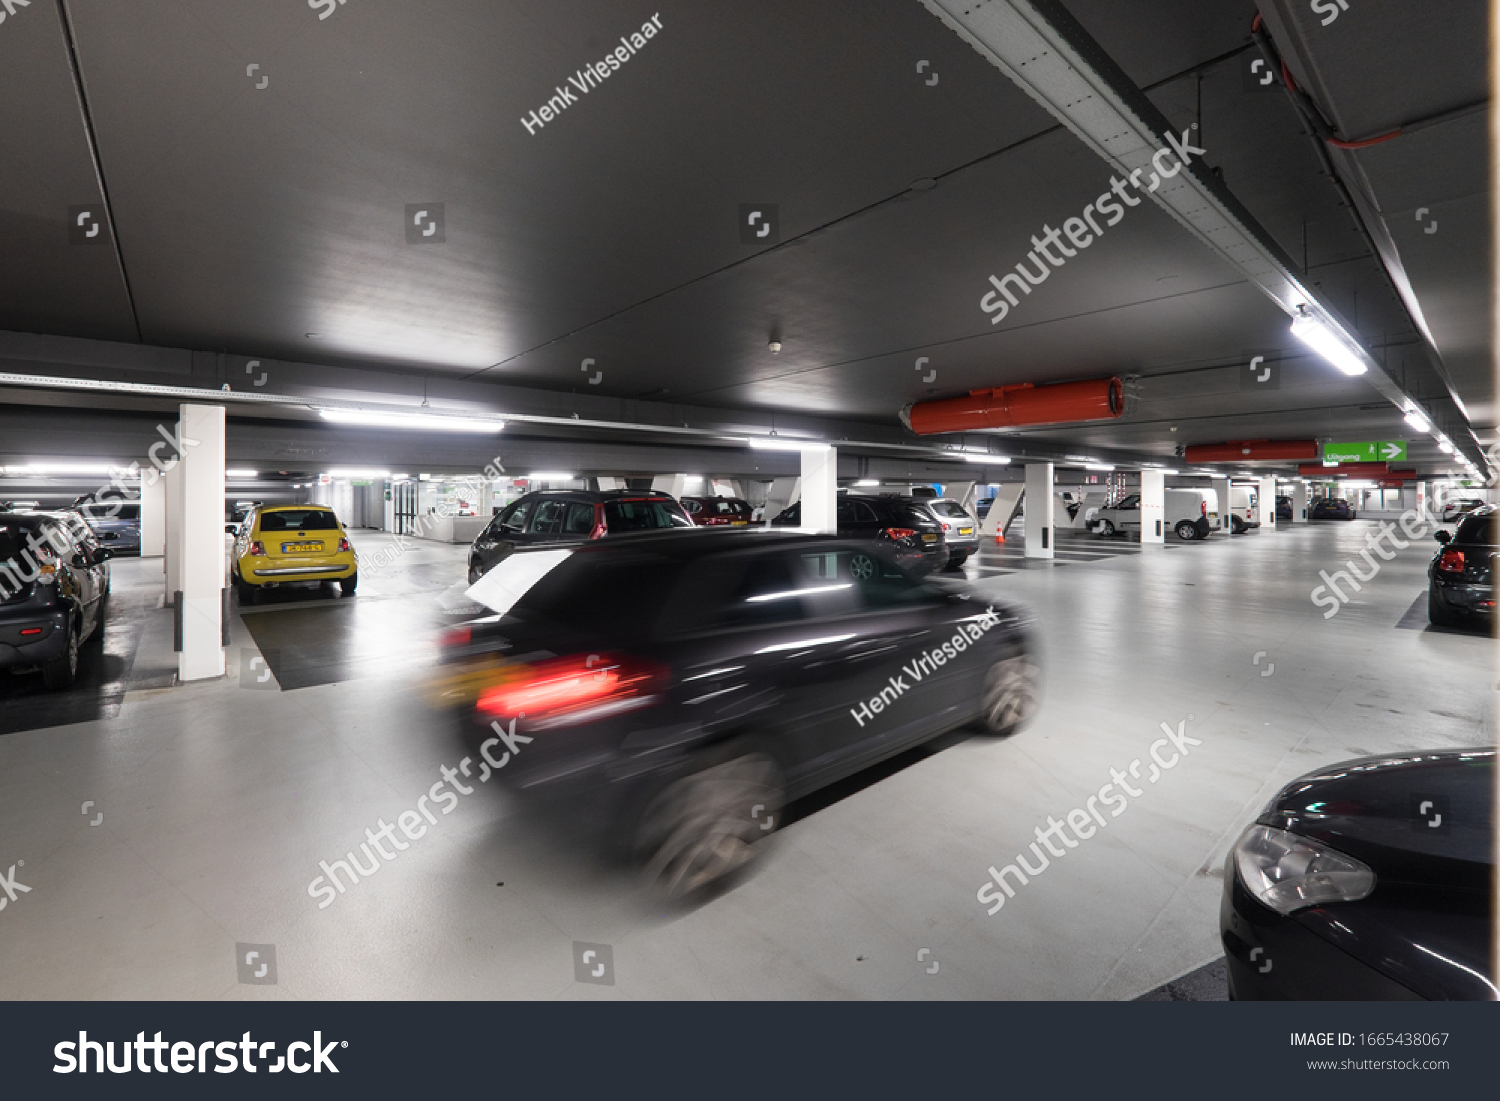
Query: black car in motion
(903, 524)
(1368, 880)
(550, 517)
(685, 686)
(53, 587)
(1460, 578)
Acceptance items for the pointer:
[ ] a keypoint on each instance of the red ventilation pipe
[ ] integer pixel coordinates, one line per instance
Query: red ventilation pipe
(1239, 451)
(1017, 406)
(1358, 470)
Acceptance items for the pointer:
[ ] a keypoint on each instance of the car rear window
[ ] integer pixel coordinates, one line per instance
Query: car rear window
(298, 519)
(721, 507)
(1480, 529)
(951, 509)
(643, 515)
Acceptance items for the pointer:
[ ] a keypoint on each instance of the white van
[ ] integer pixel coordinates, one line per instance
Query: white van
(1244, 511)
(1189, 514)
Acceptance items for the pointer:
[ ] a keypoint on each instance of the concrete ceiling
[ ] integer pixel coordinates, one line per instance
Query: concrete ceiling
(238, 218)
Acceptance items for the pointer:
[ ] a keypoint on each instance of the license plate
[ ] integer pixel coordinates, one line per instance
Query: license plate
(929, 538)
(966, 531)
(739, 523)
(300, 548)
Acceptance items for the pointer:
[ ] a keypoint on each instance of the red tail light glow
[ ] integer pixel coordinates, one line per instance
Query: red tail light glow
(1451, 561)
(257, 547)
(899, 533)
(344, 545)
(456, 636)
(562, 686)
(1202, 508)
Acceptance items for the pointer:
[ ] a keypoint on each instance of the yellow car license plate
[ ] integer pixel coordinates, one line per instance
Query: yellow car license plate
(966, 531)
(300, 548)
(929, 538)
(739, 523)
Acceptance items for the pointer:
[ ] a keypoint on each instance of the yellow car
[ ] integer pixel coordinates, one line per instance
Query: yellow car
(281, 543)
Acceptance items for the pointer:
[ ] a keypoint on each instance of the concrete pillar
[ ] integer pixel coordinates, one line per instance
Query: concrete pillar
(172, 542)
(1153, 507)
(820, 489)
(1267, 515)
(1299, 503)
(1040, 506)
(388, 508)
(607, 483)
(1421, 489)
(153, 513)
(1221, 488)
(1006, 496)
(781, 494)
(675, 484)
(959, 491)
(201, 543)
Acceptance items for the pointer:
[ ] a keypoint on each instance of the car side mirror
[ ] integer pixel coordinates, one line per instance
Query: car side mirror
(1442, 537)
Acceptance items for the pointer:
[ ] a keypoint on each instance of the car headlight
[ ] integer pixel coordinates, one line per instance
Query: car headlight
(1286, 872)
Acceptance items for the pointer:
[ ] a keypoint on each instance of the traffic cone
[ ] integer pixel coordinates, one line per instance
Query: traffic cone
(999, 536)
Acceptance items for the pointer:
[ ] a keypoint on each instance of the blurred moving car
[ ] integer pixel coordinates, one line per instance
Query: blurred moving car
(960, 530)
(53, 589)
(1369, 879)
(685, 686)
(116, 523)
(550, 517)
(717, 512)
(1454, 509)
(1331, 508)
(1186, 513)
(914, 535)
(1284, 508)
(287, 544)
(1460, 577)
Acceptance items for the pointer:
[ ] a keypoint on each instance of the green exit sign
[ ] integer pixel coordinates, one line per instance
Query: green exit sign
(1367, 451)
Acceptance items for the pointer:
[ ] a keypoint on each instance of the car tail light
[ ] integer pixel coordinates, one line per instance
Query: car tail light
(1203, 508)
(344, 545)
(599, 529)
(456, 636)
(899, 533)
(31, 630)
(257, 547)
(1451, 561)
(576, 686)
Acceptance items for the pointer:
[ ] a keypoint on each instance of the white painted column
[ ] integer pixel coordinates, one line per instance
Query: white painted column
(1299, 503)
(781, 494)
(202, 542)
(959, 491)
(153, 513)
(1040, 509)
(675, 484)
(820, 489)
(1421, 497)
(1153, 507)
(1006, 496)
(1267, 515)
(1221, 487)
(172, 543)
(606, 483)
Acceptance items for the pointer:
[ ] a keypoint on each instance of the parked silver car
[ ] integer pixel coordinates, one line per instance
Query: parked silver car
(960, 528)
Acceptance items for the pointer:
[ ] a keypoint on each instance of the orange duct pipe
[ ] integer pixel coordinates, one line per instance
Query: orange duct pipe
(1358, 470)
(1018, 406)
(1241, 451)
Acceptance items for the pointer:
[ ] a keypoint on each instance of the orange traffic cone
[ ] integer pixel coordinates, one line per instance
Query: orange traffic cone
(999, 536)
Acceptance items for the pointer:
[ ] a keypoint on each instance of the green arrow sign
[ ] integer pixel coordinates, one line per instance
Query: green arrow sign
(1369, 451)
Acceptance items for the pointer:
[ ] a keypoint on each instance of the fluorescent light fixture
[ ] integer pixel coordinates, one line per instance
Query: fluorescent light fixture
(692, 479)
(1098, 466)
(432, 422)
(974, 455)
(357, 472)
(1323, 340)
(65, 468)
(238, 473)
(549, 476)
(1445, 447)
(1418, 421)
(1167, 470)
(866, 483)
(781, 443)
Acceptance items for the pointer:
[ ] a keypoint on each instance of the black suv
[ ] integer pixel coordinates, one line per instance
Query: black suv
(53, 586)
(1461, 580)
(913, 534)
(571, 516)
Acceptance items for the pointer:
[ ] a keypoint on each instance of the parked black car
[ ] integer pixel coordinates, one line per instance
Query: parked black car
(1331, 508)
(1460, 578)
(685, 686)
(53, 588)
(914, 535)
(551, 517)
(1284, 508)
(1369, 879)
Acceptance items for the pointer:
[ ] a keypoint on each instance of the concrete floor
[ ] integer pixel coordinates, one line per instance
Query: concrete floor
(219, 799)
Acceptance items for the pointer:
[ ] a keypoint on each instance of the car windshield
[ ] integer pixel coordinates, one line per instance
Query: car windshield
(643, 515)
(1133, 501)
(298, 519)
(951, 509)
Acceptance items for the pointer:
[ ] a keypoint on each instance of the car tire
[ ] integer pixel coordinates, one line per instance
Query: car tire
(1186, 530)
(1011, 695)
(861, 567)
(1106, 528)
(347, 585)
(62, 670)
(703, 827)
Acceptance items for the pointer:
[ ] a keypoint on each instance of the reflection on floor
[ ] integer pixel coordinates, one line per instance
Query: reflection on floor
(220, 800)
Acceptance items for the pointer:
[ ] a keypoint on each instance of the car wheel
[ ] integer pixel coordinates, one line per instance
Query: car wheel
(1186, 530)
(1106, 528)
(347, 585)
(1438, 613)
(861, 567)
(956, 561)
(62, 670)
(704, 826)
(1011, 694)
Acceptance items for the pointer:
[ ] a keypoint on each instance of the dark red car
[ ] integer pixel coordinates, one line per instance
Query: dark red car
(717, 512)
